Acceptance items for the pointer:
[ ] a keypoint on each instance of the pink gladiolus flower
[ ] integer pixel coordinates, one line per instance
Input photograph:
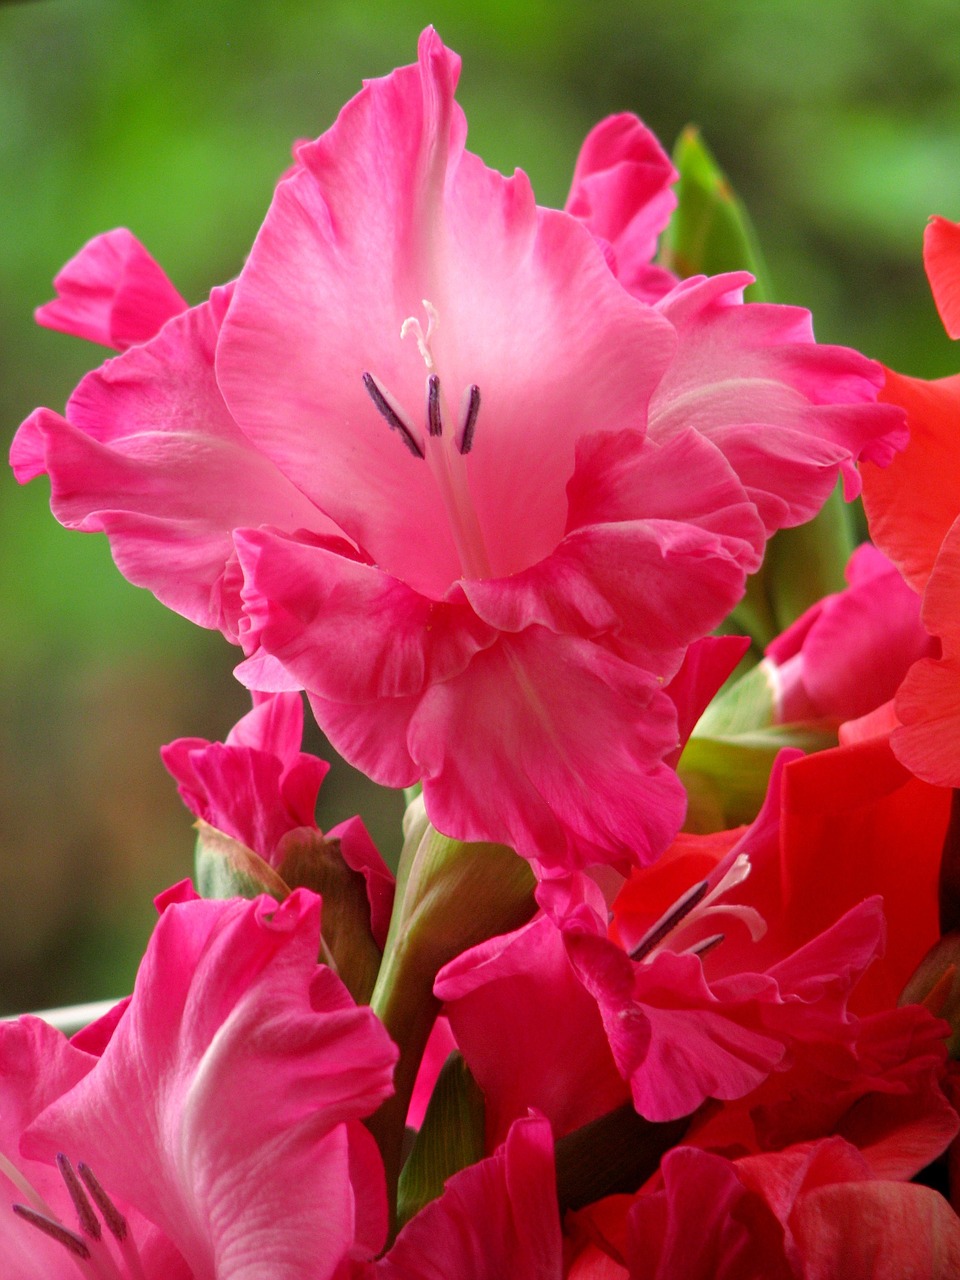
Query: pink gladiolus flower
(440, 460)
(259, 787)
(219, 1132)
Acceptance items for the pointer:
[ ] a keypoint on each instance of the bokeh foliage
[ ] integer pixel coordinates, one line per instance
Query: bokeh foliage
(837, 123)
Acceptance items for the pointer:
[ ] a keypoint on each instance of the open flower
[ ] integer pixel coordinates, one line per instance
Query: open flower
(470, 471)
(223, 1112)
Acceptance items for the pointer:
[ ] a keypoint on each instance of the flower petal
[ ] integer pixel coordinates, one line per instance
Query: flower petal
(112, 292)
(495, 1219)
(551, 746)
(912, 503)
(622, 189)
(348, 630)
(941, 257)
(788, 414)
(149, 455)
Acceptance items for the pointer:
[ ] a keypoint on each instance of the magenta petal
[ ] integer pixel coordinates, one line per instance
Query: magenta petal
(361, 854)
(346, 629)
(230, 1009)
(112, 292)
(622, 190)
(495, 1219)
(149, 455)
(789, 415)
(256, 786)
(703, 1224)
(679, 1038)
(529, 1031)
(659, 540)
(488, 745)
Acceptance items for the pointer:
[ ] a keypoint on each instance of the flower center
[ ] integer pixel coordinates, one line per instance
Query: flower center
(695, 908)
(443, 451)
(86, 1245)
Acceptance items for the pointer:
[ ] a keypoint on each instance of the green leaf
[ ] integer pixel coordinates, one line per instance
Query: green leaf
(710, 231)
(450, 1139)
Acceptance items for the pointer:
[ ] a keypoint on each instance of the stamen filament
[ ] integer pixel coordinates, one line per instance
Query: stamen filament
(63, 1235)
(25, 1188)
(669, 920)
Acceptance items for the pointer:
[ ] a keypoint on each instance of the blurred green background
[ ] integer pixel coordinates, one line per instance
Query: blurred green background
(837, 121)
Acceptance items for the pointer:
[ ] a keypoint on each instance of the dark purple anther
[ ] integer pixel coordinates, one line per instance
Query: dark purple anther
(465, 436)
(114, 1219)
(89, 1222)
(433, 406)
(391, 417)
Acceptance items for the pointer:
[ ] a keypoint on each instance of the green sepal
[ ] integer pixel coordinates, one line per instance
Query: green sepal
(710, 231)
(801, 566)
(451, 895)
(450, 1138)
(936, 984)
(726, 763)
(226, 868)
(308, 859)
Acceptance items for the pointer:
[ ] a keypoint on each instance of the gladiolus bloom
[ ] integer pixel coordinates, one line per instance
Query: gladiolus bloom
(219, 1131)
(465, 469)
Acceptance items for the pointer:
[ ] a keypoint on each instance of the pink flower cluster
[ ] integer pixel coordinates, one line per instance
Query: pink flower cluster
(481, 478)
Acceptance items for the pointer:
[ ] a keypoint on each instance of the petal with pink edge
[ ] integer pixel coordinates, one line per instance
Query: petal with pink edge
(660, 537)
(149, 455)
(112, 292)
(346, 629)
(788, 414)
(622, 189)
(550, 745)
(529, 1031)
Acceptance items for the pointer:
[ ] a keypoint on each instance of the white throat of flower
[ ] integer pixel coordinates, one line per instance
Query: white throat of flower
(444, 452)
